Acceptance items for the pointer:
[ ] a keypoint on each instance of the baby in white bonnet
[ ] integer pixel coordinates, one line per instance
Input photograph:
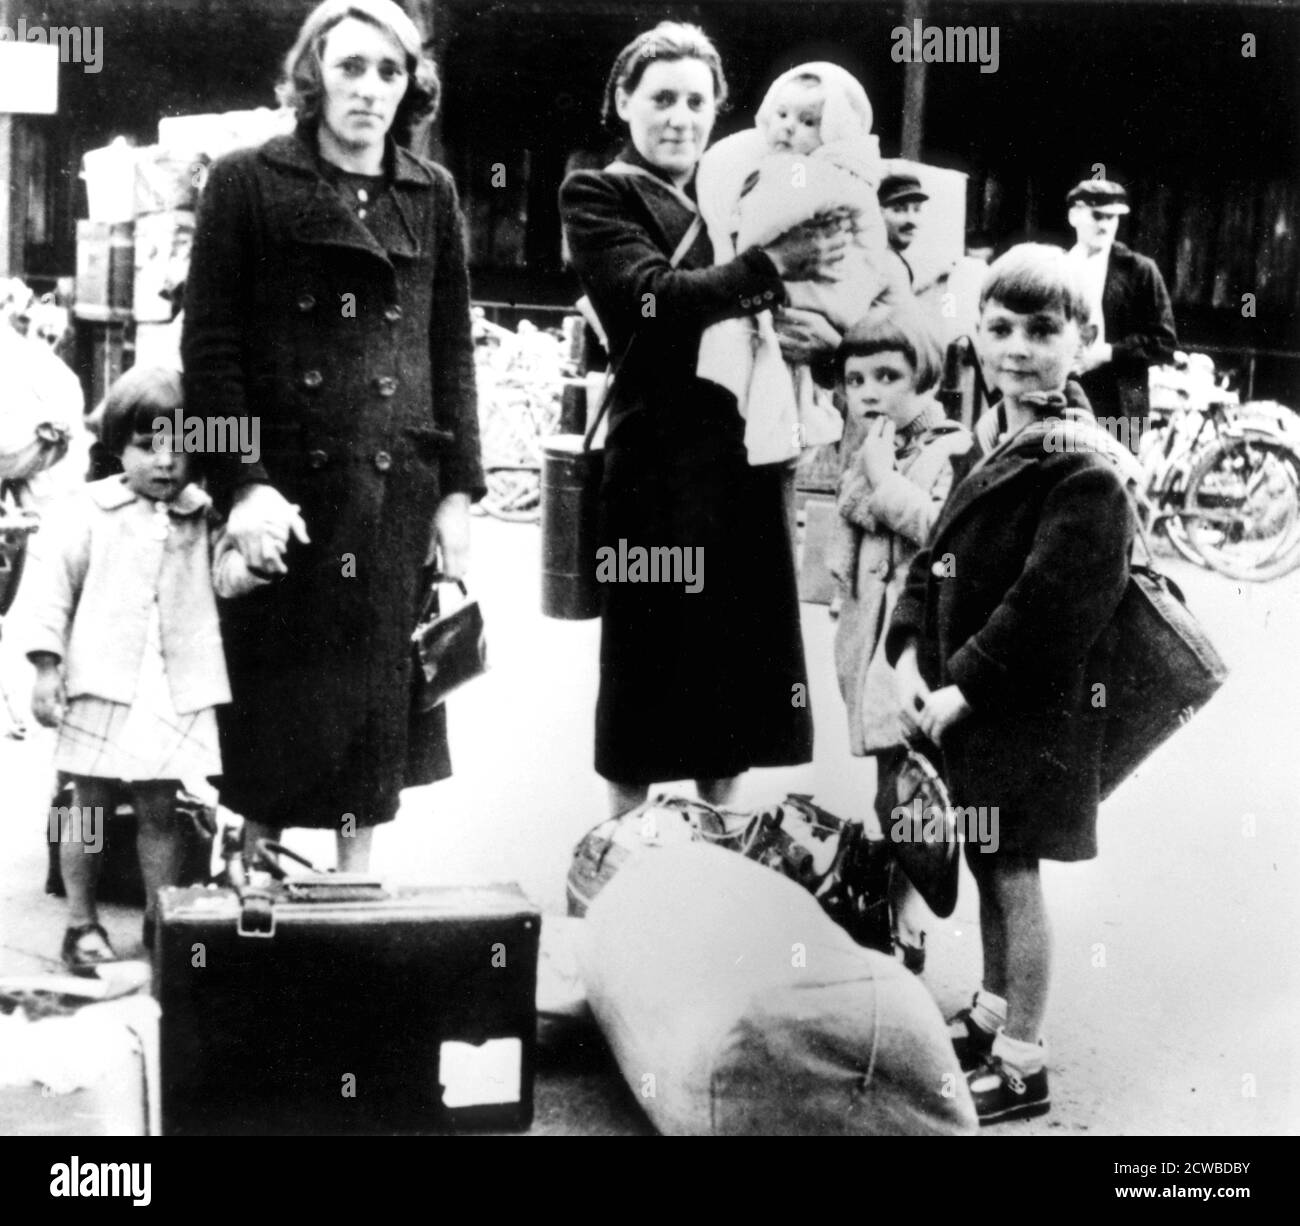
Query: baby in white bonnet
(811, 159)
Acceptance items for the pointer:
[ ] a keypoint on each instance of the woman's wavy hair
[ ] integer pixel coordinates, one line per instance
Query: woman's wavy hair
(301, 85)
(669, 40)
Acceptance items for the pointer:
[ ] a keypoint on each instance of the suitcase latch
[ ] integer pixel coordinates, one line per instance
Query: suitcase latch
(256, 914)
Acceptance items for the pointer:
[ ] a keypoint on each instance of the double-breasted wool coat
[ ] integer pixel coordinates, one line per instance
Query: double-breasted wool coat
(349, 341)
(699, 684)
(1012, 600)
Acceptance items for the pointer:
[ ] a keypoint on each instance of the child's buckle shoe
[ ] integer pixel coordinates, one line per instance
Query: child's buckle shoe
(972, 1043)
(81, 961)
(1001, 1093)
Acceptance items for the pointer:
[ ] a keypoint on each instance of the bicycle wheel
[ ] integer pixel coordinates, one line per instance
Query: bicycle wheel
(514, 494)
(1242, 509)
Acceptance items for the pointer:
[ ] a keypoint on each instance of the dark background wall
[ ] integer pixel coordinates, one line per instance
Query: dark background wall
(1158, 93)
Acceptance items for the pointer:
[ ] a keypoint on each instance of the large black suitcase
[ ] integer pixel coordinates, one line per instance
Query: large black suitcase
(319, 1008)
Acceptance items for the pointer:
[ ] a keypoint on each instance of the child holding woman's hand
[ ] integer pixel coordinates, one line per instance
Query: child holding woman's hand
(121, 624)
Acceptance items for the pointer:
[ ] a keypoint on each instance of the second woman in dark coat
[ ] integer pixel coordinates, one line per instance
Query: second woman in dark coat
(697, 684)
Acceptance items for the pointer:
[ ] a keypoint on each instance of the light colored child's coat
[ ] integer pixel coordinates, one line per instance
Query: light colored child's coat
(100, 557)
(878, 532)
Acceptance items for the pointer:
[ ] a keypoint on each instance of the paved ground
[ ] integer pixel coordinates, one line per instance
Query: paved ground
(1175, 986)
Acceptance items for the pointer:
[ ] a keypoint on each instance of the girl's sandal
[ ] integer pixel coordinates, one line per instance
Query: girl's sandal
(81, 961)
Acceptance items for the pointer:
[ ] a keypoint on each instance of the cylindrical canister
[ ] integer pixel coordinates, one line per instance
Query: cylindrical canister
(570, 490)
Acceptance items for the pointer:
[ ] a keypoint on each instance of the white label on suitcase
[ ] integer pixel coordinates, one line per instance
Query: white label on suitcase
(481, 1076)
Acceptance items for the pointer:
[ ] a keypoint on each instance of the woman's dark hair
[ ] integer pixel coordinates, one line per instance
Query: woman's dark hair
(900, 328)
(302, 87)
(135, 402)
(669, 40)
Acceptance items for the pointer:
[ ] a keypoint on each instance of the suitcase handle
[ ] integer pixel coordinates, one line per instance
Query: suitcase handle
(269, 853)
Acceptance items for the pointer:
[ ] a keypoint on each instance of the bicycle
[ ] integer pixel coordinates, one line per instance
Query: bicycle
(1229, 501)
(521, 380)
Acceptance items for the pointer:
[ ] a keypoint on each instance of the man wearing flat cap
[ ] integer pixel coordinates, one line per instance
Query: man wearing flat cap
(900, 198)
(1130, 306)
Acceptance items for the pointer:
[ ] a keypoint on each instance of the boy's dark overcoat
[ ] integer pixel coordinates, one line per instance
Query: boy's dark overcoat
(349, 343)
(696, 685)
(1012, 600)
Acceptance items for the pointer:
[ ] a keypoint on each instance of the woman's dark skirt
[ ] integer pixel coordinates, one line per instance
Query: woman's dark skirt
(698, 684)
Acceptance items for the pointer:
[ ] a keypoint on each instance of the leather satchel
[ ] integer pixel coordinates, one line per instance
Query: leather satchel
(450, 648)
(1164, 670)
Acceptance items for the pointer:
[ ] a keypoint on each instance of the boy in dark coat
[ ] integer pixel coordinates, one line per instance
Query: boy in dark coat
(1001, 641)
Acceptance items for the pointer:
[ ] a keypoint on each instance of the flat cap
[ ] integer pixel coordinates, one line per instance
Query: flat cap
(1100, 194)
(894, 189)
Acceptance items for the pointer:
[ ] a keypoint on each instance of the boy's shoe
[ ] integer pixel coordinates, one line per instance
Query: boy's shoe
(85, 961)
(973, 1044)
(1000, 1093)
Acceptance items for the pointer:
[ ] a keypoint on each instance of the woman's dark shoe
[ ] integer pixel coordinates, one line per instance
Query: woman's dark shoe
(81, 959)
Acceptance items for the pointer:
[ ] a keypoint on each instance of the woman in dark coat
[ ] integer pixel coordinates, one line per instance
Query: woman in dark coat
(701, 684)
(328, 304)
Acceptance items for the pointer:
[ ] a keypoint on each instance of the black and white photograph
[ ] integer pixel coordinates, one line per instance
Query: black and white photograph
(611, 568)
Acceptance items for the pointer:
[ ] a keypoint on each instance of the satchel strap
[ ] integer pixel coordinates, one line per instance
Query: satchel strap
(678, 255)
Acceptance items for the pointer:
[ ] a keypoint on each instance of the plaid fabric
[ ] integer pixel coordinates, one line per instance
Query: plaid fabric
(146, 739)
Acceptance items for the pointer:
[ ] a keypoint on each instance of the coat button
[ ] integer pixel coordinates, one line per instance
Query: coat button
(317, 459)
(383, 461)
(386, 386)
(306, 302)
(393, 313)
(745, 302)
(939, 570)
(312, 378)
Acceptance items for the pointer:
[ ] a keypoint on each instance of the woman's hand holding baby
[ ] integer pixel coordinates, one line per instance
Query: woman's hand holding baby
(48, 694)
(809, 252)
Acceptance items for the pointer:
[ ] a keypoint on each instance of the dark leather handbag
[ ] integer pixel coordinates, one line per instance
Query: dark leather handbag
(450, 648)
(1164, 670)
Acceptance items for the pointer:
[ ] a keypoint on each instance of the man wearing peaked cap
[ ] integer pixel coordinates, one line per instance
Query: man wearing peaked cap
(900, 198)
(1130, 305)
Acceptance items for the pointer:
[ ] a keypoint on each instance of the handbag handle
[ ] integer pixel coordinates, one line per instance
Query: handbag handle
(439, 577)
(611, 379)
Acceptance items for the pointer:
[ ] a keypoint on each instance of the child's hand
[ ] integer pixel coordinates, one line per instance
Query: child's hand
(941, 710)
(48, 696)
(876, 454)
(912, 691)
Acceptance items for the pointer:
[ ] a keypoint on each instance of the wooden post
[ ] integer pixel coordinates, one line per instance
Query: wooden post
(11, 261)
(912, 139)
